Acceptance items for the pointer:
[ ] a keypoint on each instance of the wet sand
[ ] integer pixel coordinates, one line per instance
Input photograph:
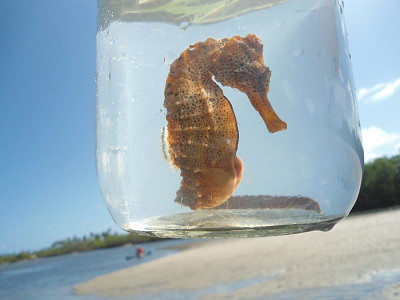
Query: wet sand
(356, 252)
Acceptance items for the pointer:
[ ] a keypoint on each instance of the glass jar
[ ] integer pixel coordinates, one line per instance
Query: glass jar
(177, 81)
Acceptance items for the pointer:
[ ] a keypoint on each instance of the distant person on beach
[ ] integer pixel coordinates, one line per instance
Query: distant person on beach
(139, 252)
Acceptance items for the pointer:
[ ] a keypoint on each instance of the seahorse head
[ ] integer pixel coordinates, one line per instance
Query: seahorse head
(239, 63)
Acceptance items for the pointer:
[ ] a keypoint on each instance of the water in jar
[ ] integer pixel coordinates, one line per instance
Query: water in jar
(308, 175)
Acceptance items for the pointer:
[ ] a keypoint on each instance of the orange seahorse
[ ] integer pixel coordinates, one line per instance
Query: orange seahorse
(202, 130)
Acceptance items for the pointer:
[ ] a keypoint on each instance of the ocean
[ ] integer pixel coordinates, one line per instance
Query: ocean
(54, 277)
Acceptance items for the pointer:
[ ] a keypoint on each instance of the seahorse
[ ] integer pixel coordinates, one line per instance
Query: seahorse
(202, 132)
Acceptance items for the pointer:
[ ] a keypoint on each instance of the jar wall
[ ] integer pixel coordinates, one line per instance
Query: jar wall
(318, 157)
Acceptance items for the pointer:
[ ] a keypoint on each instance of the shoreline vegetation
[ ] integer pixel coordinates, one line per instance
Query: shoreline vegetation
(106, 239)
(380, 189)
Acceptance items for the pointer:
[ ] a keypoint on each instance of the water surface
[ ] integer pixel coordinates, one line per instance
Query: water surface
(54, 277)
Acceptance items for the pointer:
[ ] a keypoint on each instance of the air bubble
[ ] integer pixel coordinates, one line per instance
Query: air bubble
(113, 41)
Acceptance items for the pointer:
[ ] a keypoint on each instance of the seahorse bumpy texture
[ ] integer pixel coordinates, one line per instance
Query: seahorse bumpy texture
(202, 129)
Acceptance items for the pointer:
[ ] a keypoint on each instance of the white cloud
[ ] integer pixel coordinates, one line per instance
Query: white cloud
(379, 91)
(364, 92)
(388, 90)
(374, 139)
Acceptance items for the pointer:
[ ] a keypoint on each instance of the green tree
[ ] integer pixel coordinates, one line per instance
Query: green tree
(380, 187)
(396, 162)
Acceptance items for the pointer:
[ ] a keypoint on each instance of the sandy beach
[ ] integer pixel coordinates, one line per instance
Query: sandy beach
(359, 256)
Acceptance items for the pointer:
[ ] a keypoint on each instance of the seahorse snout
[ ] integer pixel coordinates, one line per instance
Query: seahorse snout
(240, 64)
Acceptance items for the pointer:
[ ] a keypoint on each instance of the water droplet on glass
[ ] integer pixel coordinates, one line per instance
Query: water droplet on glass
(113, 41)
(298, 52)
(279, 24)
(321, 54)
(185, 25)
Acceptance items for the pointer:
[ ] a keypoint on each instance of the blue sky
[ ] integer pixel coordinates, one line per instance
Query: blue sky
(48, 184)
(373, 37)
